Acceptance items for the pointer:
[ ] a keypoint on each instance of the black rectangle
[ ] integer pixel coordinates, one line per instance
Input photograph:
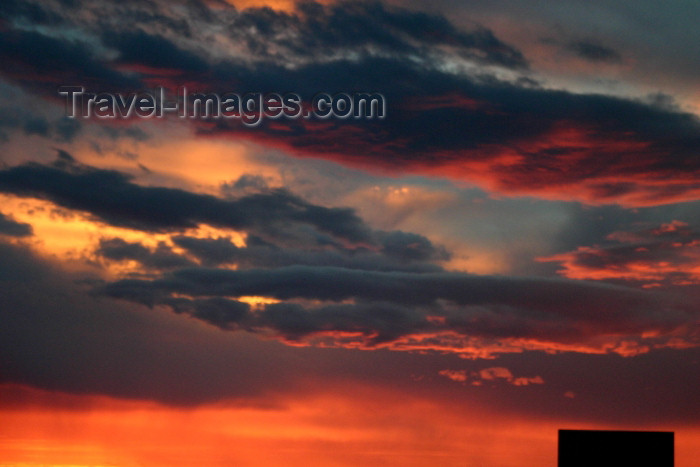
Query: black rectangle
(600, 448)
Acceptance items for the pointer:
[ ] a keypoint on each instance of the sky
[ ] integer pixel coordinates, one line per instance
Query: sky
(511, 249)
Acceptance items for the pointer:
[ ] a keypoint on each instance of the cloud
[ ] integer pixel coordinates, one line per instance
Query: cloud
(390, 254)
(312, 32)
(41, 63)
(455, 375)
(470, 123)
(14, 117)
(147, 50)
(12, 228)
(666, 255)
(282, 229)
(95, 345)
(162, 257)
(339, 282)
(432, 310)
(113, 198)
(195, 37)
(593, 52)
(491, 374)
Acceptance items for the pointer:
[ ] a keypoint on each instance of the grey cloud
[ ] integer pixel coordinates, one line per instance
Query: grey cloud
(259, 253)
(377, 322)
(12, 228)
(479, 306)
(162, 257)
(113, 198)
(593, 52)
(17, 119)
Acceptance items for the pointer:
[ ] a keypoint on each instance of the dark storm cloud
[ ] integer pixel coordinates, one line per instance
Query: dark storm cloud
(368, 27)
(162, 257)
(221, 312)
(312, 32)
(418, 256)
(144, 49)
(595, 147)
(12, 228)
(113, 198)
(510, 136)
(378, 322)
(337, 284)
(42, 63)
(473, 306)
(259, 253)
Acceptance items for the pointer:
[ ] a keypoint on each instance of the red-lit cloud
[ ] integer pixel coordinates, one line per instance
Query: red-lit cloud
(666, 255)
(490, 374)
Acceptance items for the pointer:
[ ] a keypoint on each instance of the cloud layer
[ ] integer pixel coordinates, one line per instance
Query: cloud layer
(462, 103)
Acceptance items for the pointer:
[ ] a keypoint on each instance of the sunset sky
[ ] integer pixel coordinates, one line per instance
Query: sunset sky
(513, 249)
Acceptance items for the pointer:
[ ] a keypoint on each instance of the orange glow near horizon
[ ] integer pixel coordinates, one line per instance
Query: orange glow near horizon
(317, 430)
(353, 427)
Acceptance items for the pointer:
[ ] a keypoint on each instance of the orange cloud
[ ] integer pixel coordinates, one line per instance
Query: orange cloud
(491, 374)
